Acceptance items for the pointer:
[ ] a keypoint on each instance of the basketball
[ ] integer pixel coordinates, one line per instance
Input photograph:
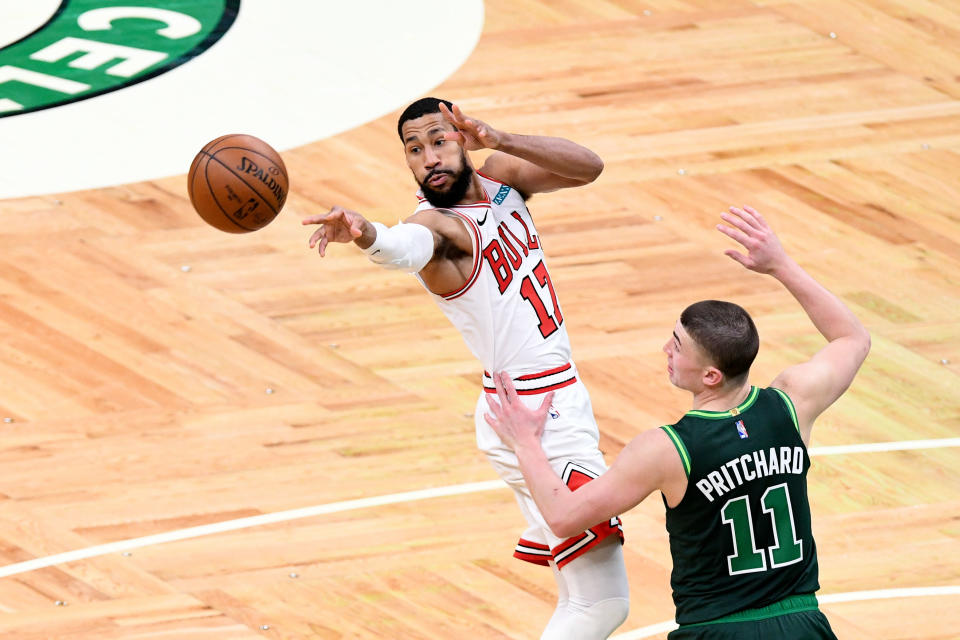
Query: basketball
(237, 183)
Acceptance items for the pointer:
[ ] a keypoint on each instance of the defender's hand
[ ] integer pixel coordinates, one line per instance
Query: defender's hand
(337, 225)
(472, 134)
(765, 254)
(511, 419)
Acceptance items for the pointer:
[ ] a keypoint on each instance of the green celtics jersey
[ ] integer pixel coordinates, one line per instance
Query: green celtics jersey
(740, 537)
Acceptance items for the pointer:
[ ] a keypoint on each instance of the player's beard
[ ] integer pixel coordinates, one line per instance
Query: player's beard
(457, 189)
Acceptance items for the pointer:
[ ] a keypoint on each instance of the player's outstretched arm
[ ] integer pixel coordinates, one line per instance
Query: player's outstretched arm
(433, 243)
(530, 164)
(816, 384)
(647, 463)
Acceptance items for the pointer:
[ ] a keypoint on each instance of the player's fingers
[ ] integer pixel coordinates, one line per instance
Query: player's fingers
(445, 112)
(454, 117)
(736, 234)
(737, 221)
(739, 257)
(493, 404)
(455, 136)
(756, 215)
(545, 405)
(323, 246)
(315, 237)
(746, 216)
(318, 218)
(508, 386)
(501, 392)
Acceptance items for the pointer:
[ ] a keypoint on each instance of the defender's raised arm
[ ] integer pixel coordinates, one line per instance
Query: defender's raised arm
(816, 384)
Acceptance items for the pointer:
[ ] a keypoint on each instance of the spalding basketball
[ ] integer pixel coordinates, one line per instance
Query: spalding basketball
(238, 183)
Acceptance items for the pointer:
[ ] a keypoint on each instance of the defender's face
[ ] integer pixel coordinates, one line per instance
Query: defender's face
(436, 163)
(686, 361)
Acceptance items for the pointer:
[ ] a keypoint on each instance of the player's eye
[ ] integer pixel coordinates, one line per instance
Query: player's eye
(414, 149)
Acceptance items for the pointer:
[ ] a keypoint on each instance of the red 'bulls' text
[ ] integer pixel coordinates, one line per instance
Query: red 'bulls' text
(504, 256)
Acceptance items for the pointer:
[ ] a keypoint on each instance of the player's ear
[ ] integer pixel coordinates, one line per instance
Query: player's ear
(712, 377)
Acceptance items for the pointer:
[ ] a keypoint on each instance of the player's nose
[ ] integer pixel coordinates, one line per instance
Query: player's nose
(431, 158)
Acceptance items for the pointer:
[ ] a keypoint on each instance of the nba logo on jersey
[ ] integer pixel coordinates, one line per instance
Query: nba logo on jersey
(554, 413)
(742, 430)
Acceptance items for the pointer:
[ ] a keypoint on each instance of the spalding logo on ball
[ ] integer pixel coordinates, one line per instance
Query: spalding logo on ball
(238, 183)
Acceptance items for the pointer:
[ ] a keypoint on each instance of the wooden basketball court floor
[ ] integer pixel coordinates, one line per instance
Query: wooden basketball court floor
(159, 375)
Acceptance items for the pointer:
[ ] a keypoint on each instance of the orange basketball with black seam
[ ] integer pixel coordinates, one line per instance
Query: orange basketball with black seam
(238, 183)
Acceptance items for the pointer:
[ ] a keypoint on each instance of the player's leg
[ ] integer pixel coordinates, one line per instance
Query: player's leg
(597, 595)
(593, 595)
(592, 590)
(563, 595)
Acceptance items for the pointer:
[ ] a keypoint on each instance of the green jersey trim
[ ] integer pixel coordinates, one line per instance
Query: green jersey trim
(718, 415)
(790, 604)
(681, 448)
(793, 412)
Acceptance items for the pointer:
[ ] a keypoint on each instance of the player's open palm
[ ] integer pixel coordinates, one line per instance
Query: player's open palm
(337, 225)
(747, 226)
(512, 420)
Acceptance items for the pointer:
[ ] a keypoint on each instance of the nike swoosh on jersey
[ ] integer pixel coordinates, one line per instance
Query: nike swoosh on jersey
(485, 213)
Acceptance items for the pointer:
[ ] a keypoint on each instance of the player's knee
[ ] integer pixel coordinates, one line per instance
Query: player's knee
(616, 610)
(609, 614)
(595, 621)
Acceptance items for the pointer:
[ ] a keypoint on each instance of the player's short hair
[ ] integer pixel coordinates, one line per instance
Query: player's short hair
(421, 107)
(725, 331)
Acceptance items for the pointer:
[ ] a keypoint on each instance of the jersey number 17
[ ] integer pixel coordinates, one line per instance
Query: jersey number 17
(548, 323)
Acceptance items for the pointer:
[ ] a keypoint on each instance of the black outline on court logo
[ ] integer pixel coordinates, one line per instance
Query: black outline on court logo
(230, 11)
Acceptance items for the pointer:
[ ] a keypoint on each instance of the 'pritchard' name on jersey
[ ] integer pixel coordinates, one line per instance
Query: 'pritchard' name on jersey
(507, 311)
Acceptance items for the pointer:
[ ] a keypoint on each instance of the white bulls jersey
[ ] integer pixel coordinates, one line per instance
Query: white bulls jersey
(509, 316)
(507, 311)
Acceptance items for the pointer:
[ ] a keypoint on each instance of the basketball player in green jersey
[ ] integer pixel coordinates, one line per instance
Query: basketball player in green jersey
(732, 471)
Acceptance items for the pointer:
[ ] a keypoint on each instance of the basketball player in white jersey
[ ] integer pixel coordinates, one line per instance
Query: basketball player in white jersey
(474, 246)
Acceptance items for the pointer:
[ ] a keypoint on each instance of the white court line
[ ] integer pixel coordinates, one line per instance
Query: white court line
(244, 523)
(884, 446)
(362, 503)
(851, 596)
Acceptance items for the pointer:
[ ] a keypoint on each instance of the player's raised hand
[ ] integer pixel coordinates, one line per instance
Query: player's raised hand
(336, 225)
(510, 418)
(471, 133)
(764, 251)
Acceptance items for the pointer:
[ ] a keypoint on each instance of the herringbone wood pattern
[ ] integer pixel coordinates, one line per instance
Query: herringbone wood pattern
(138, 389)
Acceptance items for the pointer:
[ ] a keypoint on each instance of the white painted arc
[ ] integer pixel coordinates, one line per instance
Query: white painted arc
(246, 523)
(362, 503)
